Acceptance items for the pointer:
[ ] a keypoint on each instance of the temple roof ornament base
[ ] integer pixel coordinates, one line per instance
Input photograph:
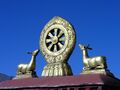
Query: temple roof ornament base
(27, 75)
(98, 71)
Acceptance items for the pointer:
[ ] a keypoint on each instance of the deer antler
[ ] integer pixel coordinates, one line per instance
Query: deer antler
(88, 47)
(29, 52)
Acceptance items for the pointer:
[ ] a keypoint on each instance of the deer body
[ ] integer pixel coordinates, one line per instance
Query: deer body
(24, 68)
(98, 62)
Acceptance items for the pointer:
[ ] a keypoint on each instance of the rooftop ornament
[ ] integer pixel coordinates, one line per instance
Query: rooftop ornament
(57, 42)
(28, 70)
(93, 65)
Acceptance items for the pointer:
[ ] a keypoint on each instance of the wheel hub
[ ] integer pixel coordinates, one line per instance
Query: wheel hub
(55, 40)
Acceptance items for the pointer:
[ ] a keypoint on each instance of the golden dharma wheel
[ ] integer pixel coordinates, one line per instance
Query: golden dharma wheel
(57, 40)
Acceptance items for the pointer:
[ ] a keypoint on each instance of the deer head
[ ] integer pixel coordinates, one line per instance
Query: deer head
(84, 47)
(34, 53)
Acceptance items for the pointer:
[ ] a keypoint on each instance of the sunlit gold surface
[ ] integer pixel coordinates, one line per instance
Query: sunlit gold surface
(57, 42)
(28, 69)
(92, 64)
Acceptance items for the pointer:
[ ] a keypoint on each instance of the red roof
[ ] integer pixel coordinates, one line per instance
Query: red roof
(91, 79)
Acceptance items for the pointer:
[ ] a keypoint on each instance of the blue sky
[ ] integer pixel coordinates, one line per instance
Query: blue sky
(96, 22)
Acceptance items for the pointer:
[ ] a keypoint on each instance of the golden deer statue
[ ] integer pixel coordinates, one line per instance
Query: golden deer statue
(30, 67)
(91, 63)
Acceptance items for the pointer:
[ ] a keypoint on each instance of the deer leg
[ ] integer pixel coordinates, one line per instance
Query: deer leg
(100, 66)
(19, 72)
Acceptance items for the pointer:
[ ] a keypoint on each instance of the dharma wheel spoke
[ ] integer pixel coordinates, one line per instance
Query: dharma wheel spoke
(50, 46)
(60, 45)
(62, 39)
(60, 34)
(48, 40)
(55, 48)
(55, 31)
(50, 34)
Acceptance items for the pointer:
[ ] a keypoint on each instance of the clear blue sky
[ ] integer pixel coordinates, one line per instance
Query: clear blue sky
(96, 22)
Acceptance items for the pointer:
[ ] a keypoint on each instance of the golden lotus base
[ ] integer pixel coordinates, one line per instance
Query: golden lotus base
(26, 75)
(98, 71)
(57, 69)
